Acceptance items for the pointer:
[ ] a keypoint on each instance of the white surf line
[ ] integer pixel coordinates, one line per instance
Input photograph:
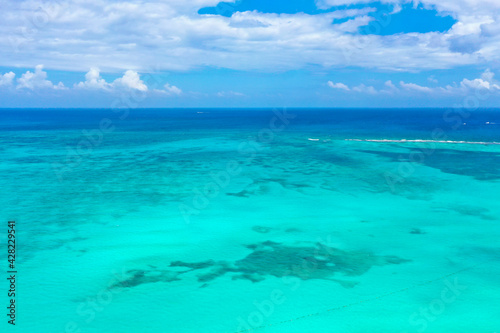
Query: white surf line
(424, 141)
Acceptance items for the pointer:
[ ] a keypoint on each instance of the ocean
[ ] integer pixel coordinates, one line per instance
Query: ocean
(252, 220)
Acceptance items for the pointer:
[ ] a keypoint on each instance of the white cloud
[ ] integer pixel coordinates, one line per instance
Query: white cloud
(466, 86)
(130, 80)
(457, 7)
(362, 88)
(397, 8)
(365, 89)
(432, 79)
(415, 87)
(93, 80)
(37, 80)
(154, 35)
(229, 94)
(475, 84)
(7, 79)
(169, 90)
(353, 25)
(488, 75)
(390, 88)
(345, 13)
(390, 85)
(326, 4)
(485, 82)
(338, 85)
(171, 35)
(173, 90)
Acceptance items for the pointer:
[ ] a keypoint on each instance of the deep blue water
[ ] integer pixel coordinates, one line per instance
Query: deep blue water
(458, 124)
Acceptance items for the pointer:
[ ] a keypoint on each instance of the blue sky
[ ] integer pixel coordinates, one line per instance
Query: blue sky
(249, 53)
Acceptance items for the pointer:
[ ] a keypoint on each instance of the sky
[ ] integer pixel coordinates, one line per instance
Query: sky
(249, 53)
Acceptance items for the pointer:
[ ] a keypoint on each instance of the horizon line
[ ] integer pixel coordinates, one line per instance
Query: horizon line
(246, 108)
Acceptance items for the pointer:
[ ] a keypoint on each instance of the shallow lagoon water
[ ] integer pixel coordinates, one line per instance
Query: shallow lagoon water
(311, 232)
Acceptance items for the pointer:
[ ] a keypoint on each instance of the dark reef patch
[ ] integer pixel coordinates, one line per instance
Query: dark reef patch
(473, 211)
(241, 194)
(478, 164)
(197, 265)
(266, 185)
(336, 159)
(417, 231)
(139, 276)
(261, 229)
(272, 259)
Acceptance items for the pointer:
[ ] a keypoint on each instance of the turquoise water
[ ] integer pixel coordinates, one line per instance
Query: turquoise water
(253, 220)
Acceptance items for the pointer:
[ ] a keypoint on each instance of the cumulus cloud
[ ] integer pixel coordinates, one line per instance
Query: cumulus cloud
(361, 88)
(129, 80)
(485, 82)
(338, 86)
(390, 85)
(475, 84)
(7, 79)
(365, 89)
(389, 88)
(93, 80)
(169, 90)
(37, 80)
(415, 87)
(172, 89)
